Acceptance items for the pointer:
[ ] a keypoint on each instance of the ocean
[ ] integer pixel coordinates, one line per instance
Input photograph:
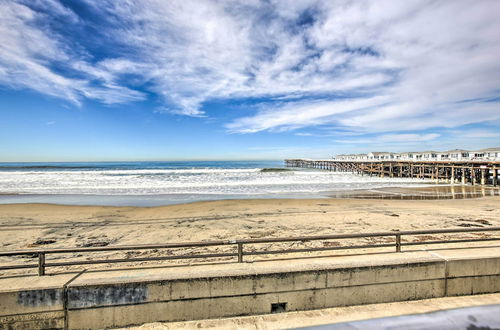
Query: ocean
(163, 183)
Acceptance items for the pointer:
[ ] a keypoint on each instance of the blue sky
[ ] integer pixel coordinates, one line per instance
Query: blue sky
(160, 80)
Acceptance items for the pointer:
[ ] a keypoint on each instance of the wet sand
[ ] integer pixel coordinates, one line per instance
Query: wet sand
(421, 193)
(26, 226)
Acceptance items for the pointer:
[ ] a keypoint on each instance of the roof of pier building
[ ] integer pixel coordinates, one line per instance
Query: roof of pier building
(427, 152)
(378, 153)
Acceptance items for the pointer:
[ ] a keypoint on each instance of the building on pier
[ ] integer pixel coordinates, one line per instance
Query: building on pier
(404, 155)
(376, 155)
(431, 155)
(488, 153)
(458, 154)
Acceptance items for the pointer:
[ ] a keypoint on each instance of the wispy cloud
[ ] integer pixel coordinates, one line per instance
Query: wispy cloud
(439, 56)
(303, 113)
(33, 57)
(363, 67)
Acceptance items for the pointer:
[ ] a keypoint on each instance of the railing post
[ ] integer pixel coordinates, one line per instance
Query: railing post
(398, 243)
(240, 252)
(41, 264)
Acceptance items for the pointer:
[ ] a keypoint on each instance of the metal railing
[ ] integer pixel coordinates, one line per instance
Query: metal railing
(42, 264)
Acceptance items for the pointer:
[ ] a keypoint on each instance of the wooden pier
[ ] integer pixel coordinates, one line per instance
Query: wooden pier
(454, 172)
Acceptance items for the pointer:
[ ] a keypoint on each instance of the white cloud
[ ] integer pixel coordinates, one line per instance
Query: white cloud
(28, 53)
(299, 114)
(440, 54)
(195, 52)
(376, 66)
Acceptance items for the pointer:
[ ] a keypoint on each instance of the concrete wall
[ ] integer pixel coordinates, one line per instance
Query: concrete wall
(115, 303)
(32, 309)
(473, 276)
(203, 298)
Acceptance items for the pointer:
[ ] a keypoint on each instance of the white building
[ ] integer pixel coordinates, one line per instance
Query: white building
(458, 154)
(445, 155)
(404, 155)
(380, 156)
(429, 155)
(492, 154)
(361, 157)
(486, 154)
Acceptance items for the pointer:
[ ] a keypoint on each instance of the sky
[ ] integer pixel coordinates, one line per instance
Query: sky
(90, 80)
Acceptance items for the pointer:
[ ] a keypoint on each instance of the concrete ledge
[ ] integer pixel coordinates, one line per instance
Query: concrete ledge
(473, 267)
(31, 301)
(41, 320)
(121, 298)
(473, 285)
(180, 310)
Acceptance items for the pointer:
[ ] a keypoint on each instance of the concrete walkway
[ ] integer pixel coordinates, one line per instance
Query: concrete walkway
(329, 315)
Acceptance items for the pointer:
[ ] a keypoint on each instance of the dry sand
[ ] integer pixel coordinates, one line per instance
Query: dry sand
(26, 226)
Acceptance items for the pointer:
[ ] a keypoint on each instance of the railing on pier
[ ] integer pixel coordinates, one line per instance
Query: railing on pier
(239, 245)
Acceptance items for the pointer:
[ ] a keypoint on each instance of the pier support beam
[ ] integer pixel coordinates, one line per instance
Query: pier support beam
(476, 172)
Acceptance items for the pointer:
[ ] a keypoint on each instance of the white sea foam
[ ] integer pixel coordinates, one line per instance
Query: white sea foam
(188, 181)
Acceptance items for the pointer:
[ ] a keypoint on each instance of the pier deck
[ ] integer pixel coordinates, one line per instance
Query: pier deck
(464, 172)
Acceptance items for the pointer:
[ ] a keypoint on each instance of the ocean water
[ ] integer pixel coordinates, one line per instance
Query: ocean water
(161, 183)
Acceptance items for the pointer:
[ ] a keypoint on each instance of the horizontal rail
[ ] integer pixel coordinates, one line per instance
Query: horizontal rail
(117, 248)
(348, 247)
(18, 266)
(243, 241)
(111, 261)
(362, 235)
(451, 241)
(42, 264)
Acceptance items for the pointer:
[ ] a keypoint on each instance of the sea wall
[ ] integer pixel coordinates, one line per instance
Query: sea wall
(136, 297)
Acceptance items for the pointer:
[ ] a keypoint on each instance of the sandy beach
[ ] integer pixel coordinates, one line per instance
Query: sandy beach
(26, 226)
